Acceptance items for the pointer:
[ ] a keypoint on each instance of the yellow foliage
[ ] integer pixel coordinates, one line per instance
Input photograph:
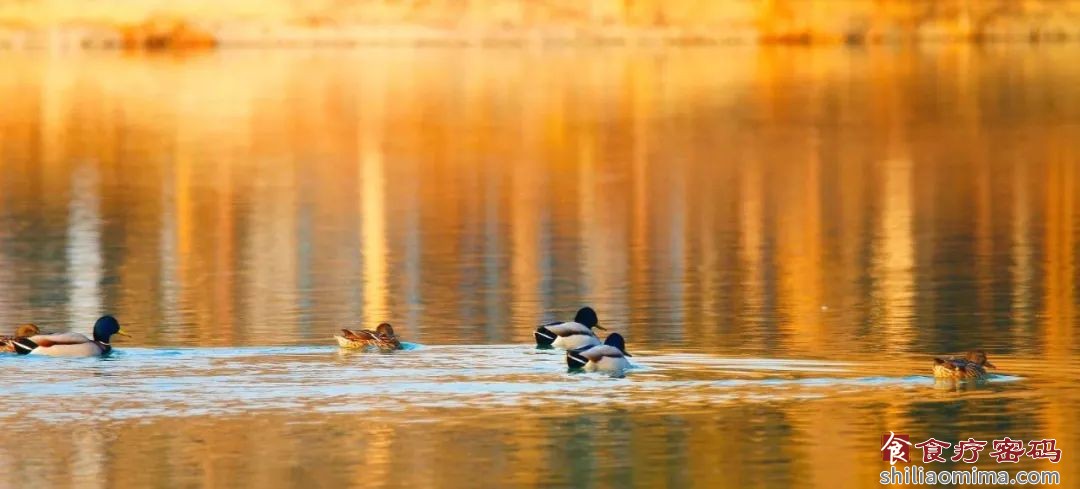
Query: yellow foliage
(165, 34)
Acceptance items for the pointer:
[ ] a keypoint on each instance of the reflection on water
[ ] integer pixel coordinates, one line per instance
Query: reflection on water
(783, 235)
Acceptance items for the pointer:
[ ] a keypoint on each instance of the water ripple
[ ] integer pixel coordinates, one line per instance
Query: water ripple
(168, 382)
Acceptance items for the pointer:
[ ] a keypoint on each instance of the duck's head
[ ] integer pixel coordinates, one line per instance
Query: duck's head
(616, 340)
(105, 327)
(587, 316)
(979, 358)
(26, 330)
(385, 329)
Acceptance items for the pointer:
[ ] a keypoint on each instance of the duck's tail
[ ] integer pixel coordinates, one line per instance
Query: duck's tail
(574, 359)
(544, 336)
(24, 346)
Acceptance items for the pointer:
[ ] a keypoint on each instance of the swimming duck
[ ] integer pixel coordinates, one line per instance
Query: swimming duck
(7, 343)
(72, 344)
(571, 335)
(609, 357)
(382, 339)
(971, 366)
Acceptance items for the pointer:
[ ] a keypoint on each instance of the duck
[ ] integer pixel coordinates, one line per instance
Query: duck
(72, 344)
(381, 339)
(570, 335)
(972, 365)
(609, 357)
(7, 343)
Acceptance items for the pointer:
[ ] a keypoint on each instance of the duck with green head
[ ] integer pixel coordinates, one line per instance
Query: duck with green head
(570, 335)
(72, 344)
(609, 357)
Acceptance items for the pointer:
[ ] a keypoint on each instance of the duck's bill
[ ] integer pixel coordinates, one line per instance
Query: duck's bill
(988, 364)
(122, 333)
(600, 327)
(627, 353)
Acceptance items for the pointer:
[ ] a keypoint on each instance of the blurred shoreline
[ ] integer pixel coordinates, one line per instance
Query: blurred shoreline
(62, 24)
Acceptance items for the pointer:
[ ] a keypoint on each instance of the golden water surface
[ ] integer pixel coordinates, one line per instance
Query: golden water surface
(785, 237)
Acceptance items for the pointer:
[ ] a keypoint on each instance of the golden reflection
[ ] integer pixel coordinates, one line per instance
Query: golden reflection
(641, 105)
(225, 258)
(84, 258)
(1022, 253)
(1059, 310)
(799, 254)
(602, 231)
(528, 184)
(183, 235)
(590, 228)
(751, 231)
(706, 207)
(985, 218)
(373, 216)
(894, 258)
(90, 465)
(377, 456)
(1059, 257)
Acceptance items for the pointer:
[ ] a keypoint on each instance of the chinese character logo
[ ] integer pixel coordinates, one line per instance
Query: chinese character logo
(895, 447)
(967, 451)
(1044, 449)
(1007, 450)
(933, 450)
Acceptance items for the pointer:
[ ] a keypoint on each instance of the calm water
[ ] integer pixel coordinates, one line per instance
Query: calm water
(785, 237)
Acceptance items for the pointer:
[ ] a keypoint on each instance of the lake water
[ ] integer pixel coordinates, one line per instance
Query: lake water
(785, 237)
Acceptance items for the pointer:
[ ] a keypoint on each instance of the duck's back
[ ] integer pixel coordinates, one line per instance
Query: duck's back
(603, 358)
(606, 358)
(365, 338)
(959, 368)
(609, 364)
(572, 335)
(600, 352)
(65, 345)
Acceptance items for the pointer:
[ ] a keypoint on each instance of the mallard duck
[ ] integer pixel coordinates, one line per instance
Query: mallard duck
(7, 343)
(609, 357)
(571, 335)
(72, 344)
(382, 339)
(971, 366)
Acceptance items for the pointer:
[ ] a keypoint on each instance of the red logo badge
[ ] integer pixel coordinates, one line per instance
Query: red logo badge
(895, 447)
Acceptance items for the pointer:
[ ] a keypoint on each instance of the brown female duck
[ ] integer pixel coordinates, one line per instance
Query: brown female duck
(972, 365)
(381, 339)
(7, 343)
